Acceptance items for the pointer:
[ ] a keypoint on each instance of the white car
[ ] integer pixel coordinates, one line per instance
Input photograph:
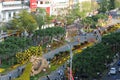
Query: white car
(113, 70)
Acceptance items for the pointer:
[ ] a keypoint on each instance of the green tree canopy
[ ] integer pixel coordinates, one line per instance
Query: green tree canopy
(106, 5)
(11, 45)
(96, 58)
(24, 21)
(117, 3)
(40, 17)
(80, 10)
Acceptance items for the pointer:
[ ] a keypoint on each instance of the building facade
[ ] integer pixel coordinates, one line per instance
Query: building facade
(9, 8)
(59, 8)
(53, 7)
(46, 4)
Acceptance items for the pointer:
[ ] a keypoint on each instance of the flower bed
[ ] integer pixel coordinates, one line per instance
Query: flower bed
(1, 70)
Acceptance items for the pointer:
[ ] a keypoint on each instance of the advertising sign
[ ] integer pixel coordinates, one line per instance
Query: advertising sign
(33, 5)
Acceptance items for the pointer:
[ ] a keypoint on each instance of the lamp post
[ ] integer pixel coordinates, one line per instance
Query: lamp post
(71, 55)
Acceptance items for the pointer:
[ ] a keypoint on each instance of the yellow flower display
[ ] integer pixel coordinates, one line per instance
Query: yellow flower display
(24, 56)
(1, 70)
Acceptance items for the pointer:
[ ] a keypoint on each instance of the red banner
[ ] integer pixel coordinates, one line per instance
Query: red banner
(33, 5)
(48, 10)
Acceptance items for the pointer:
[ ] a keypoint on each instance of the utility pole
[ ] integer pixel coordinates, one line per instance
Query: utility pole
(71, 56)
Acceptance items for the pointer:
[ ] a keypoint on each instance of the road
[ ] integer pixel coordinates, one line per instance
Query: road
(54, 75)
(113, 77)
(51, 54)
(65, 47)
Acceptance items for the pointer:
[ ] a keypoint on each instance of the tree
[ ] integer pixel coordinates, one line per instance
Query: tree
(80, 10)
(106, 5)
(3, 27)
(87, 22)
(24, 21)
(49, 33)
(11, 46)
(69, 19)
(96, 58)
(117, 3)
(94, 5)
(113, 41)
(99, 19)
(112, 4)
(91, 22)
(92, 60)
(40, 17)
(48, 18)
(86, 8)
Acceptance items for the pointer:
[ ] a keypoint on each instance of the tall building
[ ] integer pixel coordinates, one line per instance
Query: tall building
(9, 8)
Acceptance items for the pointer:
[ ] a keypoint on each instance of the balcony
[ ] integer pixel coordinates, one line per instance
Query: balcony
(13, 5)
(14, 8)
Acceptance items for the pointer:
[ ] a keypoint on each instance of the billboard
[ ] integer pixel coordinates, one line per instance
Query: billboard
(33, 5)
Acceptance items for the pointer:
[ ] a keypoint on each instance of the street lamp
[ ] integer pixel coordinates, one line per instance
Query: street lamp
(71, 55)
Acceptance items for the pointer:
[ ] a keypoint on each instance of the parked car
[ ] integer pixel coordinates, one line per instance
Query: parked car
(118, 63)
(113, 70)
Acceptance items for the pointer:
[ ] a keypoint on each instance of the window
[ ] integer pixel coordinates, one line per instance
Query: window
(47, 2)
(9, 15)
(4, 16)
(41, 2)
(14, 14)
